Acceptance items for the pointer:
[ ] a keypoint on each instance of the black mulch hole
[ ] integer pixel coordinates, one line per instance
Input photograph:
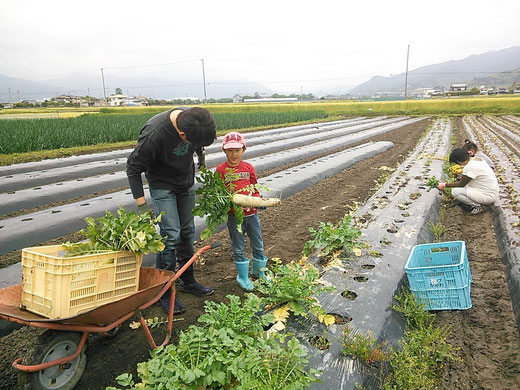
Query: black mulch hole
(361, 279)
(368, 266)
(340, 319)
(320, 342)
(349, 294)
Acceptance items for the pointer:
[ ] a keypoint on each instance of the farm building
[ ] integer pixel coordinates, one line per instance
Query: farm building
(458, 87)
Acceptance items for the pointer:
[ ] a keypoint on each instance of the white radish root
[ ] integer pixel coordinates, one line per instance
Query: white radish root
(254, 201)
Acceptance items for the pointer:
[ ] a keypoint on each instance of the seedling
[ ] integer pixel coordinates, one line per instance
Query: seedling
(432, 183)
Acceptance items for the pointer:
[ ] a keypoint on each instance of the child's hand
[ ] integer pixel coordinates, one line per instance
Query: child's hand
(441, 186)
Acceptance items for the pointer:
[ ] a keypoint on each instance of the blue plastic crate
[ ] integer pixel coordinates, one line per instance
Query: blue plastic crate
(448, 299)
(439, 275)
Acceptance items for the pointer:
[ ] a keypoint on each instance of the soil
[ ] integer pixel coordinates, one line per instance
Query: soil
(486, 334)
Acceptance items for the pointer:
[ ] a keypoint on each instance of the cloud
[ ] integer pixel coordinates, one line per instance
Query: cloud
(296, 43)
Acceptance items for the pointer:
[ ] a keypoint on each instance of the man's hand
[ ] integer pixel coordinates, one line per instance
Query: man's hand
(201, 161)
(143, 208)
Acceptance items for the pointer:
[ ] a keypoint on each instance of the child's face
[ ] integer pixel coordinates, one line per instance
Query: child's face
(234, 156)
(471, 152)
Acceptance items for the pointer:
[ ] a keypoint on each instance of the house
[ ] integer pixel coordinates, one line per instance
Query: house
(458, 87)
(238, 98)
(117, 99)
(68, 99)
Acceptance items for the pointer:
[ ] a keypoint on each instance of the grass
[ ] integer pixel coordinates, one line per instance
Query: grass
(423, 352)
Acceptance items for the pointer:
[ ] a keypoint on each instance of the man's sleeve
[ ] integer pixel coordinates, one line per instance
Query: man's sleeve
(137, 163)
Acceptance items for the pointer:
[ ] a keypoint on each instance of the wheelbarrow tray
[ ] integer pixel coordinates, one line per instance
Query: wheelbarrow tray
(151, 281)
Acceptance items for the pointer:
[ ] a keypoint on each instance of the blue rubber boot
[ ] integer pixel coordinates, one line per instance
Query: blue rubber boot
(257, 266)
(243, 275)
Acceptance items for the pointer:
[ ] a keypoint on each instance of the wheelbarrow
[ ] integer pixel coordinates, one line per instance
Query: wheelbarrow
(59, 359)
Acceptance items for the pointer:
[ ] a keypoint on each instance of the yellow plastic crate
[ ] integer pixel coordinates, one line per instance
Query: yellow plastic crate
(54, 286)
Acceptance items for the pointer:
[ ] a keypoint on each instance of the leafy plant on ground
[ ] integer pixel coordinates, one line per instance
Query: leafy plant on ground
(128, 231)
(239, 316)
(226, 353)
(432, 183)
(291, 289)
(333, 238)
(215, 200)
(438, 230)
(363, 346)
(423, 352)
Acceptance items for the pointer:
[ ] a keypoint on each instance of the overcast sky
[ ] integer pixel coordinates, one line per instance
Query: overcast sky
(287, 45)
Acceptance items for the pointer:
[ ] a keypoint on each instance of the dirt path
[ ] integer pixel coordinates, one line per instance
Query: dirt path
(285, 231)
(487, 334)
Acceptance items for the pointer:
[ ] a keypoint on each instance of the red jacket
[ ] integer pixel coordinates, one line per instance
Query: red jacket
(240, 176)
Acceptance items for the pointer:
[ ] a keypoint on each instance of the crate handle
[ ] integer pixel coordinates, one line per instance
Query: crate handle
(440, 249)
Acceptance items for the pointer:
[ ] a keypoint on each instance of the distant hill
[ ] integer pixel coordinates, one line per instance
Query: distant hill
(152, 86)
(492, 65)
(23, 89)
(497, 80)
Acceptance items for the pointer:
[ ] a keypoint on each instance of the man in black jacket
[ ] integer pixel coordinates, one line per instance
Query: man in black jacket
(164, 152)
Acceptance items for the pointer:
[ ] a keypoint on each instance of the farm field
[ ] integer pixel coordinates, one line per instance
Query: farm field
(486, 334)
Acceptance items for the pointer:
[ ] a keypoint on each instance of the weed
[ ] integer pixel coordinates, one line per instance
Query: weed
(438, 230)
(417, 364)
(363, 346)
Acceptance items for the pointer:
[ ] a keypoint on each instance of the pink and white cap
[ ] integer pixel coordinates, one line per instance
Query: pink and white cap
(233, 140)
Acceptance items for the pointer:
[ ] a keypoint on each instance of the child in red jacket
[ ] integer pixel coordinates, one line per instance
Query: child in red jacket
(239, 174)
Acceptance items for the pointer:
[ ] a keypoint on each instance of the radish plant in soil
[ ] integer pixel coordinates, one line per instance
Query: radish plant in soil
(230, 350)
(333, 239)
(291, 288)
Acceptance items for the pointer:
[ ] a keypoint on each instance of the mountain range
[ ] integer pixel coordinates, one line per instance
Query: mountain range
(494, 69)
(499, 68)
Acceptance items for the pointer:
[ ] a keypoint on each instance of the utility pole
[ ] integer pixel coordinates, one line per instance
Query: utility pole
(204, 79)
(104, 90)
(406, 75)
(9, 90)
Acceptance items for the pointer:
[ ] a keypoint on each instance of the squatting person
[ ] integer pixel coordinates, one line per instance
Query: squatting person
(478, 185)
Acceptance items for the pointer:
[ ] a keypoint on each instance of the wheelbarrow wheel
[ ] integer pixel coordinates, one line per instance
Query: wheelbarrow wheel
(53, 345)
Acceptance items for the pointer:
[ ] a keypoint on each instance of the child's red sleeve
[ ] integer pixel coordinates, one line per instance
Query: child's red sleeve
(252, 176)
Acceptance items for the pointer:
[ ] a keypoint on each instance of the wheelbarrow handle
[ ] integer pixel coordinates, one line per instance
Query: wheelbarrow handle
(170, 284)
(195, 257)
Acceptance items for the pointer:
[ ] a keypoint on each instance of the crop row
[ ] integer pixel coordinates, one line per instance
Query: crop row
(26, 135)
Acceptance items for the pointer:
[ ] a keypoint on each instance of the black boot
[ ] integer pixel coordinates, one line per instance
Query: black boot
(189, 285)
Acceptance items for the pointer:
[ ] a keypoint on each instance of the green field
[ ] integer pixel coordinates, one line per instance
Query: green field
(28, 135)
(105, 128)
